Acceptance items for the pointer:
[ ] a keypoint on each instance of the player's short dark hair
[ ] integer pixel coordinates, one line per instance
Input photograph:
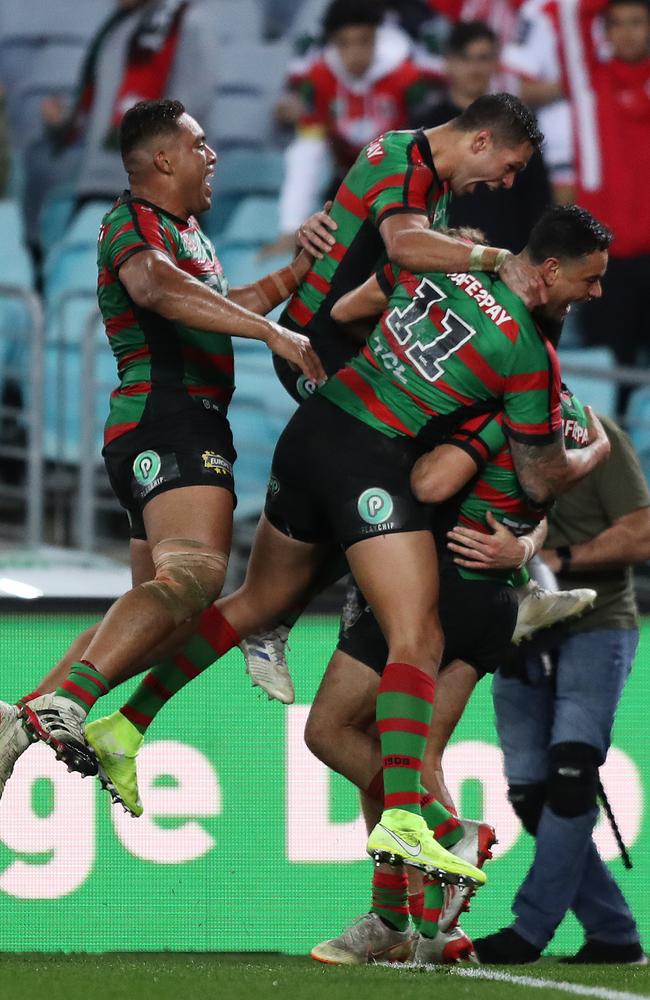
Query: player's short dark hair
(567, 231)
(508, 118)
(145, 120)
(343, 13)
(464, 33)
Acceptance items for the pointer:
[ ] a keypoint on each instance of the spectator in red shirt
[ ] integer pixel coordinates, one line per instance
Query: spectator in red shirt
(365, 81)
(604, 64)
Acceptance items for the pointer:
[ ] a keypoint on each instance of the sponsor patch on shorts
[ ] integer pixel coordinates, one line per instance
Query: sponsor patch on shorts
(150, 470)
(216, 463)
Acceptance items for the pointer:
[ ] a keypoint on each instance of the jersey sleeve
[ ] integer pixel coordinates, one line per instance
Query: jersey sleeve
(387, 276)
(398, 181)
(141, 229)
(531, 398)
(481, 437)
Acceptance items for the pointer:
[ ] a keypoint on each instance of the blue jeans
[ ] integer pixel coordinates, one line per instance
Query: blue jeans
(578, 705)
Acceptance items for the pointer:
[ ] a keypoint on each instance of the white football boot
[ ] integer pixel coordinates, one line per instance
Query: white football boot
(266, 664)
(368, 939)
(474, 847)
(13, 741)
(446, 948)
(540, 608)
(59, 722)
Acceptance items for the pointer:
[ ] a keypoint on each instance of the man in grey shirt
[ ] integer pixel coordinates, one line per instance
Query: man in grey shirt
(555, 725)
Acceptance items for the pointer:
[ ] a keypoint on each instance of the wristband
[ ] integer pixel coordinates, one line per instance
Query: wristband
(477, 259)
(475, 262)
(529, 545)
(563, 552)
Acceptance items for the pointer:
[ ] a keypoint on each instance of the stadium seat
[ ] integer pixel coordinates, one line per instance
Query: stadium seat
(238, 19)
(259, 411)
(241, 120)
(241, 172)
(599, 393)
(15, 270)
(253, 223)
(55, 214)
(249, 67)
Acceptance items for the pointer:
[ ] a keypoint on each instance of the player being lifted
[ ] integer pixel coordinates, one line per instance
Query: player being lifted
(447, 347)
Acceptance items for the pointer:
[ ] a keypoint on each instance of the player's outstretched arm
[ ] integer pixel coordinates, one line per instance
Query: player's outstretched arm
(155, 283)
(411, 244)
(547, 471)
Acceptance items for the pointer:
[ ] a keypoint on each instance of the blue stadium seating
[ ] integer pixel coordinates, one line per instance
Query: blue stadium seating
(239, 19)
(599, 393)
(253, 223)
(16, 270)
(240, 173)
(259, 412)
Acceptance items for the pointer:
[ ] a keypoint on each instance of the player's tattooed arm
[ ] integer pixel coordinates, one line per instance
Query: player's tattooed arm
(547, 471)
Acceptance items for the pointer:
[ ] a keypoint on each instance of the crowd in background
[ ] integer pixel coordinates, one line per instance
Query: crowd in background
(360, 67)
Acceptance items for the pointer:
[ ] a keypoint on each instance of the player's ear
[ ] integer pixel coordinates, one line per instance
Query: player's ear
(550, 271)
(162, 161)
(481, 140)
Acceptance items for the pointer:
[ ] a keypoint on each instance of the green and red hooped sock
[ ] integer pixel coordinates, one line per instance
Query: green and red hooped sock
(214, 638)
(390, 898)
(416, 907)
(446, 828)
(433, 902)
(404, 708)
(83, 685)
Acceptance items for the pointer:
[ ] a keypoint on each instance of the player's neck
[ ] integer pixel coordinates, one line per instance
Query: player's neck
(445, 149)
(161, 198)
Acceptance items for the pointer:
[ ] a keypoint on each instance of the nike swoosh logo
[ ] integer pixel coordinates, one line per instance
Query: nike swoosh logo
(405, 847)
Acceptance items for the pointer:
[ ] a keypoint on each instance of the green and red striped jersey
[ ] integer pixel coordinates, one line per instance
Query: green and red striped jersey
(448, 346)
(161, 365)
(393, 174)
(496, 488)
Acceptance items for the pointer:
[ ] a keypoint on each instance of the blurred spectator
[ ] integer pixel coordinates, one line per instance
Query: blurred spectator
(534, 58)
(147, 49)
(364, 82)
(604, 56)
(500, 15)
(471, 65)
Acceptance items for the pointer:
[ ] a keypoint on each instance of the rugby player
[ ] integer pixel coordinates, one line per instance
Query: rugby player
(341, 475)
(478, 610)
(168, 446)
(392, 203)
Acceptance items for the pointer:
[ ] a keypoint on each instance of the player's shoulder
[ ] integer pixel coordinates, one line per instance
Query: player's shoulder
(396, 149)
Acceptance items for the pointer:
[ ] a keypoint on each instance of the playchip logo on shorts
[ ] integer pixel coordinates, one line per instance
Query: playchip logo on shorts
(146, 467)
(375, 505)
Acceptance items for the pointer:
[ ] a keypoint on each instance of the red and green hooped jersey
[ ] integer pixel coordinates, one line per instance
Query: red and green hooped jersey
(448, 346)
(393, 174)
(161, 365)
(496, 488)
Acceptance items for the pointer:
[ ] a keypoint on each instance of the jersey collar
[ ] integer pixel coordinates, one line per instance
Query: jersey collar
(422, 143)
(128, 197)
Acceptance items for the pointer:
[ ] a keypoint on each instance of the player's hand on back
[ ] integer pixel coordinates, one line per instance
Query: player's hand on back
(478, 550)
(315, 234)
(297, 350)
(524, 280)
